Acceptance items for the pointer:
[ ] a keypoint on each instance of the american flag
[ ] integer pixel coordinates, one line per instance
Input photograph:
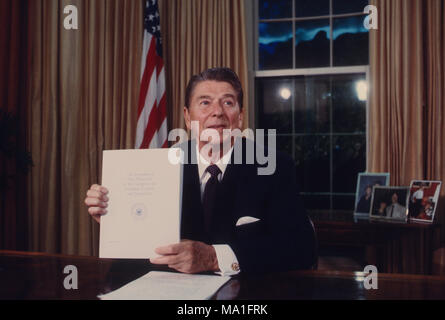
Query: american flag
(151, 129)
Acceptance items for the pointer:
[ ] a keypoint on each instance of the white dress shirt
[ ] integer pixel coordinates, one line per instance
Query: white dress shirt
(418, 195)
(227, 261)
(395, 210)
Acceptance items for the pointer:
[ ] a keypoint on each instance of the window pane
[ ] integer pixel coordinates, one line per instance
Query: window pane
(275, 45)
(349, 158)
(351, 42)
(321, 122)
(312, 104)
(349, 94)
(311, 8)
(312, 43)
(284, 144)
(349, 6)
(343, 202)
(312, 154)
(274, 9)
(274, 111)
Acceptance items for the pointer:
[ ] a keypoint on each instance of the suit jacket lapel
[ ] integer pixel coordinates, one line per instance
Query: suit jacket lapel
(192, 224)
(225, 214)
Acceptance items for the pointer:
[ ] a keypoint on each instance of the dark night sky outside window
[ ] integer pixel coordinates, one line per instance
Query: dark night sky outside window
(322, 125)
(313, 29)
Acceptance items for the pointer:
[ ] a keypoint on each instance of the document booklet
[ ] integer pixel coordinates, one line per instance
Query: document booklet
(157, 285)
(144, 207)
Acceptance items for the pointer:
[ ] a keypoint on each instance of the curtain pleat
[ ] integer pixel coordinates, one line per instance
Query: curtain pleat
(407, 107)
(82, 99)
(397, 91)
(200, 34)
(435, 86)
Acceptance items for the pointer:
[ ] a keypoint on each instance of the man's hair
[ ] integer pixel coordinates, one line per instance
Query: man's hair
(215, 74)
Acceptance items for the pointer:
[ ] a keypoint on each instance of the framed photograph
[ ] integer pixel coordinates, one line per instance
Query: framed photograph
(365, 184)
(390, 203)
(423, 199)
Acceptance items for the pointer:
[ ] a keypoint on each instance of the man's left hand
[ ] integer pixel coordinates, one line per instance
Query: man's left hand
(188, 257)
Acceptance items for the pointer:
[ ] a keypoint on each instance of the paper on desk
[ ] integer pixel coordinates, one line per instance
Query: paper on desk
(145, 200)
(157, 285)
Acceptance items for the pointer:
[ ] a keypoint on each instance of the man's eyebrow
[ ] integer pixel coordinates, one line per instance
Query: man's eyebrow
(227, 95)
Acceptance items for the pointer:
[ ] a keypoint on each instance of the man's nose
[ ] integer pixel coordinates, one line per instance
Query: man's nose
(217, 109)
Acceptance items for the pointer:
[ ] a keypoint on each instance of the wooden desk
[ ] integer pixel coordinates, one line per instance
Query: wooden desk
(40, 276)
(392, 247)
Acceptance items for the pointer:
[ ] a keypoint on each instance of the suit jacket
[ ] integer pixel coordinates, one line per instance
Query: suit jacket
(282, 239)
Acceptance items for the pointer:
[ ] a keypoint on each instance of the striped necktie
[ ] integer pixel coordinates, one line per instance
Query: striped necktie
(209, 197)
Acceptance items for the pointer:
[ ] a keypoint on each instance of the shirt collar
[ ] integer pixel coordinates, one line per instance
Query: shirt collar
(221, 163)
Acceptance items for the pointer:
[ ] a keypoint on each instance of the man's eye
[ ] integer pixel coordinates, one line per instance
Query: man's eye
(228, 103)
(205, 103)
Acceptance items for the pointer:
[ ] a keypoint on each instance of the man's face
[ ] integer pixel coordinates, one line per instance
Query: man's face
(368, 191)
(394, 198)
(214, 105)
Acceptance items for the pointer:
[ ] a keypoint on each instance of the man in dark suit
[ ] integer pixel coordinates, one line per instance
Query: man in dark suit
(234, 219)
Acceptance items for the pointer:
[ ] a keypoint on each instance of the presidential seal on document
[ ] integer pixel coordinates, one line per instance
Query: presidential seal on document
(139, 211)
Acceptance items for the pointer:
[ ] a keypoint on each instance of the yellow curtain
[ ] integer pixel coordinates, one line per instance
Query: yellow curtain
(397, 91)
(407, 107)
(199, 34)
(435, 101)
(82, 99)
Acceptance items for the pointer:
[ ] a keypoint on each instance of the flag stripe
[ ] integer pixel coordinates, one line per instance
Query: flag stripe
(162, 132)
(148, 105)
(159, 138)
(151, 131)
(147, 77)
(156, 116)
(145, 47)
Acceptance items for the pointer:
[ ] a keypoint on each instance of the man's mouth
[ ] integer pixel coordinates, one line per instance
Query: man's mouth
(216, 127)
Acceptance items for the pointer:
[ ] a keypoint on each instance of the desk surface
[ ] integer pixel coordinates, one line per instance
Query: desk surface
(40, 276)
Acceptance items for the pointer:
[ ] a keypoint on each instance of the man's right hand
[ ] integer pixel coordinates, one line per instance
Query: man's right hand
(97, 201)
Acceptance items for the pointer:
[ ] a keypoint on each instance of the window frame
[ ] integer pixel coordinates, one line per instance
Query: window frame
(255, 73)
(294, 20)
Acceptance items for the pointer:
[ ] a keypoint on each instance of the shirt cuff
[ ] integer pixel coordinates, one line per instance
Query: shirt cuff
(227, 261)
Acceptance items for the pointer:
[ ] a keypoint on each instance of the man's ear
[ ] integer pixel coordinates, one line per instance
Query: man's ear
(241, 119)
(187, 118)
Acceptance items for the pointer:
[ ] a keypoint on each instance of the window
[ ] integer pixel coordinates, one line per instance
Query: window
(311, 86)
(319, 33)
